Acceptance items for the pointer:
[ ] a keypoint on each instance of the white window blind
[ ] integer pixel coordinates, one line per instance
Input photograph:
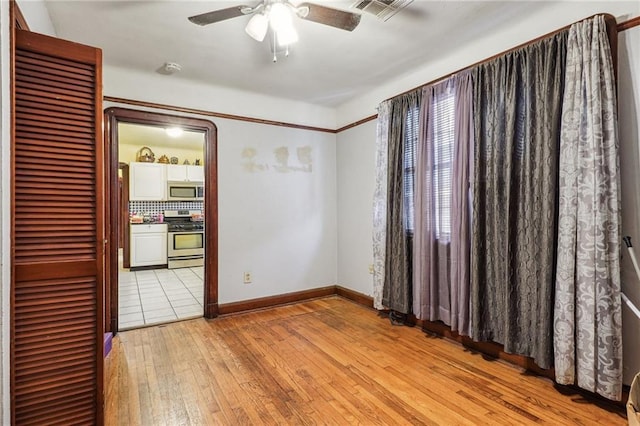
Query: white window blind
(443, 115)
(443, 127)
(409, 164)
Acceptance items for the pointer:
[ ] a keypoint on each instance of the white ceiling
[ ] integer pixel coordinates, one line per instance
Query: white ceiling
(326, 67)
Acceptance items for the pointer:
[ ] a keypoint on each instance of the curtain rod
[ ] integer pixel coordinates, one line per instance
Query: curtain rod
(612, 31)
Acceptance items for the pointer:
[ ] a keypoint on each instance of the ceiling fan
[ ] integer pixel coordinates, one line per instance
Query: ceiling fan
(277, 15)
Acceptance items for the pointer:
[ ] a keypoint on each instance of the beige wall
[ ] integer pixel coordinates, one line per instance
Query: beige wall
(127, 153)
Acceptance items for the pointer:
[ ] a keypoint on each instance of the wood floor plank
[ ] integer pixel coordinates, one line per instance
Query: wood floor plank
(327, 362)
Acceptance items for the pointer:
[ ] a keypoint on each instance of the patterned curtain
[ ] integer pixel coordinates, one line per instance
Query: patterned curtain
(587, 317)
(397, 290)
(380, 203)
(517, 132)
(441, 234)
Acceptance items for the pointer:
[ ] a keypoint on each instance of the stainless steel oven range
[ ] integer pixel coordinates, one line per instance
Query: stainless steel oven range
(185, 238)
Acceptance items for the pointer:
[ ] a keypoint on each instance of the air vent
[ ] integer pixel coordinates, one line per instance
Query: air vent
(383, 9)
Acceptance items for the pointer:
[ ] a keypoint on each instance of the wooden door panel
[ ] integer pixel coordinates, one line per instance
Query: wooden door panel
(58, 233)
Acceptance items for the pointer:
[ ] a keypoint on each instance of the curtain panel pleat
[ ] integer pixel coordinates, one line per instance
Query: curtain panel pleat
(441, 236)
(397, 290)
(431, 275)
(380, 203)
(587, 319)
(461, 201)
(517, 120)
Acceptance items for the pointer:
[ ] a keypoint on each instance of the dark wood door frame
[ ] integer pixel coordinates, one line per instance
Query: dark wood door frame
(123, 229)
(115, 115)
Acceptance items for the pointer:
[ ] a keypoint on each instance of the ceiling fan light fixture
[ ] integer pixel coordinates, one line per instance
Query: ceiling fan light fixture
(286, 36)
(302, 11)
(257, 27)
(281, 23)
(279, 17)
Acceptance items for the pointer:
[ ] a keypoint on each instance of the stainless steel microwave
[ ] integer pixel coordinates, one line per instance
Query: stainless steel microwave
(185, 191)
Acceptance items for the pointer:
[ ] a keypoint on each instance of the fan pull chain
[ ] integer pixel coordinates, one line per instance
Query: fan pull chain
(275, 56)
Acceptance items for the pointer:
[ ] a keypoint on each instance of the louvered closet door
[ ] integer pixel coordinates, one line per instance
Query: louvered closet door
(58, 233)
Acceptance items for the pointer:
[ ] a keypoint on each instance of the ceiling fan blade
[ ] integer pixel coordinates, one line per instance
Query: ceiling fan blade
(329, 16)
(220, 15)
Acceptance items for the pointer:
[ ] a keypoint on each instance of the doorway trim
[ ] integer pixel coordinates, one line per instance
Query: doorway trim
(115, 115)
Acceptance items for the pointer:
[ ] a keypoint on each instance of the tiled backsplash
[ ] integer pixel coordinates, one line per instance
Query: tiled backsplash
(156, 207)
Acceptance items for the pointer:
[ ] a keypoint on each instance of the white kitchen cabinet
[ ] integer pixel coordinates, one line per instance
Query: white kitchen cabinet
(195, 173)
(184, 173)
(176, 173)
(147, 182)
(148, 244)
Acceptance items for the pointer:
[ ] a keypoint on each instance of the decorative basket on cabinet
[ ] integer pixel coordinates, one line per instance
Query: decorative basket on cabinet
(145, 155)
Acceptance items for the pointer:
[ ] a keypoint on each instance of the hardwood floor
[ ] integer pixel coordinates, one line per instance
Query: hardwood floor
(326, 361)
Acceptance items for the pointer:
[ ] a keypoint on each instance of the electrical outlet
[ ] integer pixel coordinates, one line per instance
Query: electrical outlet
(371, 270)
(247, 277)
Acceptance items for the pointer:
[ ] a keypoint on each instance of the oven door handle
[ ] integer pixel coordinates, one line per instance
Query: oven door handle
(199, 231)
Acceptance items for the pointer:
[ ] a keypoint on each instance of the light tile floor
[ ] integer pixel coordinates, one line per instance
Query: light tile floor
(159, 295)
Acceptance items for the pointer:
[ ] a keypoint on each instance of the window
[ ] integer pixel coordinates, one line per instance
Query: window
(439, 173)
(443, 128)
(409, 165)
